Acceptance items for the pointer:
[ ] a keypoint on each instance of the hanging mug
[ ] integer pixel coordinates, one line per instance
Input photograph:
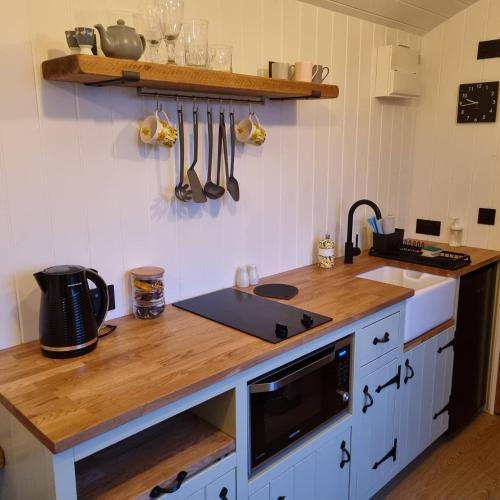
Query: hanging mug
(320, 74)
(157, 129)
(250, 131)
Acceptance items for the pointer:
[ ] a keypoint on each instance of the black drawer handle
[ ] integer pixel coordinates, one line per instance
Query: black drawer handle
(394, 380)
(389, 454)
(449, 344)
(347, 454)
(383, 340)
(408, 369)
(369, 397)
(158, 490)
(223, 493)
(282, 497)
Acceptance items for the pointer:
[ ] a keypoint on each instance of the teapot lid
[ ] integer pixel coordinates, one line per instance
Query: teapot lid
(63, 270)
(120, 24)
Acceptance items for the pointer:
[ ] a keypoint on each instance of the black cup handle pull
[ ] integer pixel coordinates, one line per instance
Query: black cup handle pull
(410, 372)
(158, 490)
(102, 288)
(383, 340)
(369, 397)
(345, 451)
(223, 493)
(281, 497)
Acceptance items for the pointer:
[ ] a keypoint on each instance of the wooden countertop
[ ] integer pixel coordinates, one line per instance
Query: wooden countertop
(145, 365)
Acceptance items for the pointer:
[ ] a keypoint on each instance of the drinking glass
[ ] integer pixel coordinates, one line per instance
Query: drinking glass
(148, 24)
(172, 13)
(196, 42)
(220, 57)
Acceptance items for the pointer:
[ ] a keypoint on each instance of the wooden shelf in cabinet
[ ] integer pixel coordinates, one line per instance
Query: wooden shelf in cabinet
(93, 69)
(131, 468)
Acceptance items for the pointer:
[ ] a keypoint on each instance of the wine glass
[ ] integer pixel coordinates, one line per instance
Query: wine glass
(148, 23)
(172, 13)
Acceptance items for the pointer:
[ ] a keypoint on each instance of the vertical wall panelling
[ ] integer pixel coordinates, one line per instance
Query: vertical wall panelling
(77, 187)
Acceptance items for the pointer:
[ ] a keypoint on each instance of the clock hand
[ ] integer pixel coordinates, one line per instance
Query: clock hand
(469, 104)
(470, 100)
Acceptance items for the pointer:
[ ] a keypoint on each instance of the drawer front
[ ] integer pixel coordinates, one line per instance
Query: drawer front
(223, 488)
(378, 338)
(262, 494)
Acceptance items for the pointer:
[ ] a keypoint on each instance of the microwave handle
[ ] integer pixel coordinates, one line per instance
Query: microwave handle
(281, 382)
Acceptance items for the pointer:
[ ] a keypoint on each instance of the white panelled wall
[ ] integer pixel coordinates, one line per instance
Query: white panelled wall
(76, 187)
(457, 166)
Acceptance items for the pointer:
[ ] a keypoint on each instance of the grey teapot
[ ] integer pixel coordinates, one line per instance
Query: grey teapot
(121, 41)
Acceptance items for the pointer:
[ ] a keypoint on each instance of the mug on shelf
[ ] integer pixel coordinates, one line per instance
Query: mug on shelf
(320, 75)
(303, 71)
(157, 129)
(250, 131)
(279, 70)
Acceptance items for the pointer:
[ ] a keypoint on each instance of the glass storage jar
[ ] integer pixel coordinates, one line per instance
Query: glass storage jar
(148, 294)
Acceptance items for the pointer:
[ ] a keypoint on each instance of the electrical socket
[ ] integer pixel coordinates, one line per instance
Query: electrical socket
(431, 227)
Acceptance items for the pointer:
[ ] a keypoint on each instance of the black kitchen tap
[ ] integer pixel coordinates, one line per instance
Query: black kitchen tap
(350, 250)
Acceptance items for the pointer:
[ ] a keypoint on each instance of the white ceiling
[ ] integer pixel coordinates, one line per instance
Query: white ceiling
(415, 16)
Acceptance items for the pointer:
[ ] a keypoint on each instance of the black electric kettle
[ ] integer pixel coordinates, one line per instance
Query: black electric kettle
(68, 323)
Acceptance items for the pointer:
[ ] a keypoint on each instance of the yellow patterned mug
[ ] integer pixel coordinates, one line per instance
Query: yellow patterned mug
(157, 129)
(250, 131)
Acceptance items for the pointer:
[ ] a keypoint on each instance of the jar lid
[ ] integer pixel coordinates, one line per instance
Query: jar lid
(147, 271)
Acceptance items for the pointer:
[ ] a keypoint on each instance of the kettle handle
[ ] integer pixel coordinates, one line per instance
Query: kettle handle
(103, 295)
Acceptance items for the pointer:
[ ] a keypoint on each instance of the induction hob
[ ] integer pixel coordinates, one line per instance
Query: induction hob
(263, 318)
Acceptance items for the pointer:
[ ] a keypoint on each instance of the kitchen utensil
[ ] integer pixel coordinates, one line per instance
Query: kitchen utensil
(253, 275)
(182, 191)
(196, 42)
(302, 71)
(212, 190)
(276, 291)
(148, 291)
(172, 15)
(121, 41)
(157, 129)
(280, 70)
(68, 324)
(250, 131)
(232, 184)
(220, 57)
(319, 73)
(194, 181)
(85, 38)
(222, 126)
(222, 132)
(242, 278)
(72, 41)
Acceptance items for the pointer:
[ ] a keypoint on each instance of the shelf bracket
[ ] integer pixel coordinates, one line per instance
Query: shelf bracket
(315, 94)
(127, 77)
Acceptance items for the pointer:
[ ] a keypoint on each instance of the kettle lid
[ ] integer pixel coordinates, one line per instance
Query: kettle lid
(63, 270)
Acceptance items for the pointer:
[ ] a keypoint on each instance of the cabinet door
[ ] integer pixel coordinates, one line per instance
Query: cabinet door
(281, 488)
(223, 488)
(411, 442)
(333, 465)
(303, 478)
(199, 495)
(376, 448)
(262, 494)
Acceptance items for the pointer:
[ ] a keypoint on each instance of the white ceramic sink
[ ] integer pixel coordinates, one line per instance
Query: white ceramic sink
(432, 304)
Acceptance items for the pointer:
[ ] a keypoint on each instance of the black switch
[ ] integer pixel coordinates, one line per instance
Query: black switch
(432, 227)
(486, 216)
(281, 331)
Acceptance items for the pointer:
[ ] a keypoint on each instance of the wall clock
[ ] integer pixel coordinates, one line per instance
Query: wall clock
(477, 102)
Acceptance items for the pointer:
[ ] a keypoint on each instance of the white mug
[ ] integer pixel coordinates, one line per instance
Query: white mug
(280, 70)
(302, 71)
(250, 131)
(157, 129)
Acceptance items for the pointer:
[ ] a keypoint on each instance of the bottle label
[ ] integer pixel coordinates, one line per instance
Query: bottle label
(326, 252)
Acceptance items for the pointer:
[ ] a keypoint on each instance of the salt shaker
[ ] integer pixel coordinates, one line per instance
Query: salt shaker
(242, 278)
(253, 276)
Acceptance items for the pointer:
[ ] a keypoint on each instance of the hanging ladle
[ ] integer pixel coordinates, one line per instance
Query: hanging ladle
(194, 181)
(232, 184)
(212, 190)
(182, 191)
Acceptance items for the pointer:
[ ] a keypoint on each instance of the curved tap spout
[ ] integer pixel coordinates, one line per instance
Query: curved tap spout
(349, 250)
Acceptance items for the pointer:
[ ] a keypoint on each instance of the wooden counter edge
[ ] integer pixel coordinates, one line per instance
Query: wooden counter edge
(428, 335)
(102, 427)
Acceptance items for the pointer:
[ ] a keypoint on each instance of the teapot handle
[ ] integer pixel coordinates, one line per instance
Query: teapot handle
(143, 41)
(102, 288)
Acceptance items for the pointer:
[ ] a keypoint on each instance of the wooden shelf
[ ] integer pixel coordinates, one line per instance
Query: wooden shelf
(94, 69)
(132, 467)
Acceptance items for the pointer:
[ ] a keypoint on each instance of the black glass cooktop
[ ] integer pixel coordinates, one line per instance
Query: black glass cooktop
(263, 318)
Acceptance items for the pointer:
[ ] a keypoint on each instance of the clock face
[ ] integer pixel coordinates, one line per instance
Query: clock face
(477, 102)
